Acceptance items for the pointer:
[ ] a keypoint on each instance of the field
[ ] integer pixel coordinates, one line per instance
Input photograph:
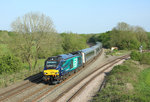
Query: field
(129, 82)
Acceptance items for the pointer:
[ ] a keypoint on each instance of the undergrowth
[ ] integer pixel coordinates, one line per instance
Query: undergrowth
(129, 82)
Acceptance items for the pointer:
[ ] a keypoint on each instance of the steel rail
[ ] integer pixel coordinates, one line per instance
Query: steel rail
(48, 91)
(62, 94)
(83, 87)
(19, 89)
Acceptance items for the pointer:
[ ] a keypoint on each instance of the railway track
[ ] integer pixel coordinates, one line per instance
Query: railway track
(91, 77)
(49, 89)
(20, 88)
(36, 94)
(41, 92)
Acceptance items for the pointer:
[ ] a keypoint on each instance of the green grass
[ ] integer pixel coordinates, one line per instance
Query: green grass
(4, 48)
(147, 79)
(8, 79)
(117, 52)
(143, 86)
(129, 82)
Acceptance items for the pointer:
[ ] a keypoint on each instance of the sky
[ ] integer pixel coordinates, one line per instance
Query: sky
(79, 16)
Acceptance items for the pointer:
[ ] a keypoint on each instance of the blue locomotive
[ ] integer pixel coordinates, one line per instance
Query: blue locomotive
(57, 68)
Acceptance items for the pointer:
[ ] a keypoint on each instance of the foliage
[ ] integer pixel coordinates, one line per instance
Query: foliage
(92, 39)
(73, 42)
(125, 36)
(116, 88)
(9, 64)
(135, 55)
(124, 40)
(143, 85)
(10, 78)
(4, 37)
(105, 39)
(145, 58)
(87, 37)
(36, 37)
(119, 69)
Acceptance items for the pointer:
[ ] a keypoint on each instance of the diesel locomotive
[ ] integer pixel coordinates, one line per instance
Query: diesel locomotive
(57, 68)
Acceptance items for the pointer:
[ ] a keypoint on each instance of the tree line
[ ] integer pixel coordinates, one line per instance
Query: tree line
(34, 37)
(125, 36)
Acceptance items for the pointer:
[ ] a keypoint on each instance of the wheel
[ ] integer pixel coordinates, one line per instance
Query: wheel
(75, 70)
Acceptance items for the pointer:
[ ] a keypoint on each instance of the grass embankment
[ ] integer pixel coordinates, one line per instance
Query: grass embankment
(7, 79)
(129, 82)
(117, 52)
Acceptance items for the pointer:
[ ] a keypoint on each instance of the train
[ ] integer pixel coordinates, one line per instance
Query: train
(58, 68)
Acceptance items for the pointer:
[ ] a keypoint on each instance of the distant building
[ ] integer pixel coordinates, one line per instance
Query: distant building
(114, 48)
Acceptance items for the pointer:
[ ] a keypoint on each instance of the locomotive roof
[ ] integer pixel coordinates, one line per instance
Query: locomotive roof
(66, 56)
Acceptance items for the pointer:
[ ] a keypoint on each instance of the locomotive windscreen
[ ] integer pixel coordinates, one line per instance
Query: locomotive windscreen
(51, 64)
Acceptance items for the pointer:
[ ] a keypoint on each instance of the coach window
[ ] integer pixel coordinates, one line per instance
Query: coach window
(89, 55)
(97, 50)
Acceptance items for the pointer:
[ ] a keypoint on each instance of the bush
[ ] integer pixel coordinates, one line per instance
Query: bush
(119, 69)
(145, 58)
(135, 55)
(9, 64)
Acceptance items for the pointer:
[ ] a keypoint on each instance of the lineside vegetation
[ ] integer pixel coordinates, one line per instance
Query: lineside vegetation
(125, 37)
(128, 82)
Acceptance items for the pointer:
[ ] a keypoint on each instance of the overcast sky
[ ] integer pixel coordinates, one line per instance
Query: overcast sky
(79, 16)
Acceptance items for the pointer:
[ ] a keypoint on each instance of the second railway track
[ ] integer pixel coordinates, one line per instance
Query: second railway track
(13, 94)
(41, 92)
(20, 88)
(71, 93)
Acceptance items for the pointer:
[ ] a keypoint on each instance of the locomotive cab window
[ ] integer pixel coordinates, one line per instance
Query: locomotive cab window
(51, 64)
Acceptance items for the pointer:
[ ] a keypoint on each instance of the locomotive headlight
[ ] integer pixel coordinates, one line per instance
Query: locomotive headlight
(45, 73)
(56, 73)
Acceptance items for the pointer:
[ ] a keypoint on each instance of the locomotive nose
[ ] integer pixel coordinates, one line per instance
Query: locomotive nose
(52, 72)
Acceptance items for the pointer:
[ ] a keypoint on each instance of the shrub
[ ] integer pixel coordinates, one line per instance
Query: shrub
(119, 68)
(135, 55)
(145, 58)
(9, 64)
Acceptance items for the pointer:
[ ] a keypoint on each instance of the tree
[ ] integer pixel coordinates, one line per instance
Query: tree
(105, 39)
(73, 42)
(122, 26)
(34, 32)
(141, 34)
(124, 37)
